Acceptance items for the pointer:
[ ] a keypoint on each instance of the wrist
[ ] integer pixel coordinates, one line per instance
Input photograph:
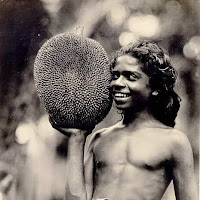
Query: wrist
(78, 138)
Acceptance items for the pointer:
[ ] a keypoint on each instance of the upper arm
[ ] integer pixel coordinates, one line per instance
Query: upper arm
(88, 171)
(89, 164)
(183, 170)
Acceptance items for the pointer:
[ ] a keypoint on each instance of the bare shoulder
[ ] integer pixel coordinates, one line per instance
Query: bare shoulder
(179, 138)
(175, 136)
(96, 136)
(179, 143)
(103, 132)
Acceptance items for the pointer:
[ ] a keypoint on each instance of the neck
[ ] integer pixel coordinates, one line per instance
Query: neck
(138, 119)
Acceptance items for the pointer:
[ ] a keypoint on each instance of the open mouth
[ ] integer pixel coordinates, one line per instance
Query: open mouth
(121, 95)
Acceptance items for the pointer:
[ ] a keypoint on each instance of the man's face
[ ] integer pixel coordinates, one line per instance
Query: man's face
(130, 85)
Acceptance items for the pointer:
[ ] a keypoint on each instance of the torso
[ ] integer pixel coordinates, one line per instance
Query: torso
(132, 165)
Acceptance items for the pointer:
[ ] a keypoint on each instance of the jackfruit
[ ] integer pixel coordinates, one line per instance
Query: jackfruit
(72, 78)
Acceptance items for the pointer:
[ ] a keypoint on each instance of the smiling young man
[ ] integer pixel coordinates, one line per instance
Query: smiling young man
(138, 157)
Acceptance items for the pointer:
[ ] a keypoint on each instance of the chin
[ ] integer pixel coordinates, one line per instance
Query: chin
(122, 107)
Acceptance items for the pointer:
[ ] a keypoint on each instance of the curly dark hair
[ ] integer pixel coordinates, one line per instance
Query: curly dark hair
(156, 63)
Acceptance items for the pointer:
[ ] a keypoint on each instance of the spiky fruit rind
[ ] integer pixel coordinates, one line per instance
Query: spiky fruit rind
(72, 78)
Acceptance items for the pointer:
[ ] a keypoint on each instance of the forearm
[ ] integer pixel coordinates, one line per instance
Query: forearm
(75, 184)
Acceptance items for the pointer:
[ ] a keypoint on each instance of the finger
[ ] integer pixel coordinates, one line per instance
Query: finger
(55, 126)
(69, 131)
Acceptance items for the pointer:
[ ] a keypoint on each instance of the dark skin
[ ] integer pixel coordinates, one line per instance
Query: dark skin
(135, 159)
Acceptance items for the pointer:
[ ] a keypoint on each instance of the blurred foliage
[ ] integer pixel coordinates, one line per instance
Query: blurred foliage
(26, 24)
(23, 26)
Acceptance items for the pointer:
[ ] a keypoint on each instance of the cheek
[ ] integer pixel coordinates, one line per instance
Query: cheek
(142, 91)
(147, 91)
(137, 86)
(112, 84)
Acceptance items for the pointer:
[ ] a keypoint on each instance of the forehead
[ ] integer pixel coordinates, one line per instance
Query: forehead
(127, 63)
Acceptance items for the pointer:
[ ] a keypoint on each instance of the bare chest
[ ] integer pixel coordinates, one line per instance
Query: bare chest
(143, 152)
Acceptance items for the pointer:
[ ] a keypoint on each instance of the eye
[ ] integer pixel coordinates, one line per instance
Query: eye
(131, 76)
(115, 75)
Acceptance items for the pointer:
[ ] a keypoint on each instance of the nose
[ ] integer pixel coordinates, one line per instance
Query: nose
(118, 83)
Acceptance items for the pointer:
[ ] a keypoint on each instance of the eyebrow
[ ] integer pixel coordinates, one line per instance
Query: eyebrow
(131, 72)
(134, 72)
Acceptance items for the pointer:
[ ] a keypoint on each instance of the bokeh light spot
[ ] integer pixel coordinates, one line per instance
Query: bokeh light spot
(24, 132)
(192, 48)
(117, 15)
(144, 25)
(127, 37)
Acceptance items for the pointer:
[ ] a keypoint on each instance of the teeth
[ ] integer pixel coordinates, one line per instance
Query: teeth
(121, 95)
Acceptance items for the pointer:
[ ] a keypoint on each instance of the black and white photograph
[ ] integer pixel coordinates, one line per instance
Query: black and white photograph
(99, 99)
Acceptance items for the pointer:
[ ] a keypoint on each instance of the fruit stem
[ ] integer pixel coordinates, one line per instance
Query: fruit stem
(79, 30)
